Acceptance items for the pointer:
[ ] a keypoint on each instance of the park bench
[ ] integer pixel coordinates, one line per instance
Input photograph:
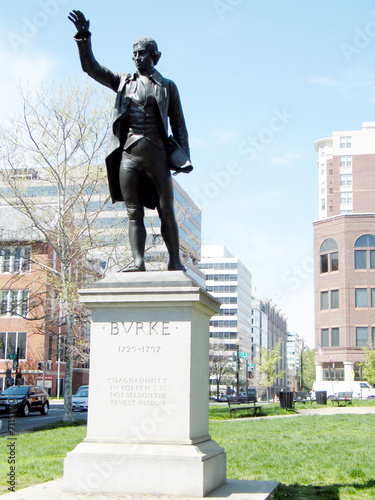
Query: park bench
(342, 398)
(301, 397)
(243, 404)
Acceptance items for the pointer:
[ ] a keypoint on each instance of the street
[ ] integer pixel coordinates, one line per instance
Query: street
(55, 414)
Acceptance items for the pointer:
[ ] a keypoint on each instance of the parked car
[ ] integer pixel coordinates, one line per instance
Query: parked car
(23, 399)
(80, 400)
(252, 395)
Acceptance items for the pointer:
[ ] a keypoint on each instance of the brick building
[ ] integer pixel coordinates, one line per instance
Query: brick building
(31, 324)
(344, 251)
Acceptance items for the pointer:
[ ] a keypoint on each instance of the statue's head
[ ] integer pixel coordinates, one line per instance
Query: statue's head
(148, 44)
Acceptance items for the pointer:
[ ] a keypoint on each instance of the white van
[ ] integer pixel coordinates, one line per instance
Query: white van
(360, 389)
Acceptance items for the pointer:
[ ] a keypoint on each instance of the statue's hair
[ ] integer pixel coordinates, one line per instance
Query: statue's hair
(151, 46)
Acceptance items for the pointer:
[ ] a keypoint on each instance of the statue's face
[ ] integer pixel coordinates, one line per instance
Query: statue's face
(142, 58)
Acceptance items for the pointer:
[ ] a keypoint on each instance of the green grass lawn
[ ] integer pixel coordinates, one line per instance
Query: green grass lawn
(39, 454)
(313, 457)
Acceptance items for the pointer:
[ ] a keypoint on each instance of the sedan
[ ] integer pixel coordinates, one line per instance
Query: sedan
(23, 399)
(80, 400)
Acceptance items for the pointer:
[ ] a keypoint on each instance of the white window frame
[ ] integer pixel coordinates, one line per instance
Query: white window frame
(15, 259)
(14, 303)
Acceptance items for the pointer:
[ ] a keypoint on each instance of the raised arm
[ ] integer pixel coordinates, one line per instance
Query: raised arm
(81, 23)
(88, 62)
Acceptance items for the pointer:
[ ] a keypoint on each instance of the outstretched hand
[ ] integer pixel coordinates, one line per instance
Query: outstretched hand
(78, 19)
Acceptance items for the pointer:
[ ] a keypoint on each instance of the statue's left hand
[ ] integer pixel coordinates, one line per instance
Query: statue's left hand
(81, 23)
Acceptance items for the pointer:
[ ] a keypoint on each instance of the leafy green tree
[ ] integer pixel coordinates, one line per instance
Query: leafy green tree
(308, 368)
(268, 366)
(368, 367)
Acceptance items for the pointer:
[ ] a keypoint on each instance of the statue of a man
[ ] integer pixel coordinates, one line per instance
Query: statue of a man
(139, 154)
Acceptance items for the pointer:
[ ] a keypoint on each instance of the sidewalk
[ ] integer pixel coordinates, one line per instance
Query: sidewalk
(334, 410)
(232, 490)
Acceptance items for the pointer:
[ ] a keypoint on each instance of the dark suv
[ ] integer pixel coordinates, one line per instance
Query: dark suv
(252, 395)
(23, 399)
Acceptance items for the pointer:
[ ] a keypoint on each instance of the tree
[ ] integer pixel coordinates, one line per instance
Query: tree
(368, 367)
(308, 368)
(220, 364)
(267, 366)
(58, 141)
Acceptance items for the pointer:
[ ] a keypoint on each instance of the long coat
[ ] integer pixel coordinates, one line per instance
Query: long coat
(167, 98)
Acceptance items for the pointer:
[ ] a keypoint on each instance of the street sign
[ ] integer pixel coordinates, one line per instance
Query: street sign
(243, 354)
(12, 356)
(252, 366)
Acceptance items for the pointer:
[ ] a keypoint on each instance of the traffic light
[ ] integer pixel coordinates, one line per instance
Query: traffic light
(250, 374)
(19, 379)
(40, 366)
(8, 378)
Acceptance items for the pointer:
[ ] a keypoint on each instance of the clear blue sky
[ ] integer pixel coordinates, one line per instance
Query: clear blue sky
(259, 83)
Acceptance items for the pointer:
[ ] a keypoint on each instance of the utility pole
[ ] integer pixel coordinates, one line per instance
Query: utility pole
(238, 369)
(247, 378)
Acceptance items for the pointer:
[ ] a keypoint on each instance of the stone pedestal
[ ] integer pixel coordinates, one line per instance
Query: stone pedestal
(147, 430)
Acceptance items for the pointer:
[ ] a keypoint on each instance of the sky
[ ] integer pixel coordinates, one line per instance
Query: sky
(260, 82)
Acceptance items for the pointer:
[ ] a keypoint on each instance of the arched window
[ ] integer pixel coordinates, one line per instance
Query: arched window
(365, 257)
(329, 256)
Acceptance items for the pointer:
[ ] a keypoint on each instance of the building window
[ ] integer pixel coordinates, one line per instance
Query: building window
(345, 142)
(15, 259)
(361, 257)
(361, 336)
(323, 204)
(346, 179)
(334, 299)
(334, 261)
(373, 336)
(324, 337)
(372, 259)
(335, 337)
(361, 297)
(324, 301)
(346, 198)
(329, 257)
(10, 342)
(14, 302)
(372, 297)
(345, 161)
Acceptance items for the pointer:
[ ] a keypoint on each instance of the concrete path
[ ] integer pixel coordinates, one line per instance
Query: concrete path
(232, 490)
(334, 410)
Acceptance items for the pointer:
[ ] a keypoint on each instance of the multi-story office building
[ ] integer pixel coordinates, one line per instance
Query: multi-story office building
(344, 251)
(243, 323)
(269, 327)
(259, 330)
(294, 349)
(230, 282)
(111, 222)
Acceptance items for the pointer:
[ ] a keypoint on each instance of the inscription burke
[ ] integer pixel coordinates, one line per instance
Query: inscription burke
(141, 328)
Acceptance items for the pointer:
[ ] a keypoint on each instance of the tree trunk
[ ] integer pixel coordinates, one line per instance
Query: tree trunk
(68, 412)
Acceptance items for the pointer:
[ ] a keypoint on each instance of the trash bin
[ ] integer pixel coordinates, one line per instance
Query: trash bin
(286, 399)
(321, 397)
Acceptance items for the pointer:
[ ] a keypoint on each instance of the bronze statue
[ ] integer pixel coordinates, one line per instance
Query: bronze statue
(140, 155)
